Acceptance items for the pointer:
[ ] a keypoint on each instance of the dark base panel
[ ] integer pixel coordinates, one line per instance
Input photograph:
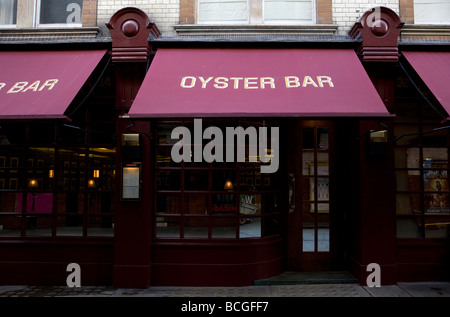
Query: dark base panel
(421, 260)
(227, 264)
(43, 263)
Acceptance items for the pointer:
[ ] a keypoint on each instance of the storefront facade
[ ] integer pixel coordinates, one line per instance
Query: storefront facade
(220, 163)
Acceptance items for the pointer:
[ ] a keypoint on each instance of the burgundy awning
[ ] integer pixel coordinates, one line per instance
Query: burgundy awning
(42, 84)
(257, 82)
(434, 69)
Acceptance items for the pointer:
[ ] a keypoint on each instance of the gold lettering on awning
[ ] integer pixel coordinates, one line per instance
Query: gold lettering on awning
(266, 82)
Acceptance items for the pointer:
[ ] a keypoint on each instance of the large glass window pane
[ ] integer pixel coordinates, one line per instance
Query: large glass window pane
(251, 228)
(70, 225)
(223, 180)
(408, 204)
(168, 203)
(167, 227)
(10, 225)
(61, 11)
(211, 200)
(437, 227)
(168, 180)
(100, 226)
(38, 225)
(163, 157)
(8, 202)
(223, 227)
(196, 180)
(196, 204)
(196, 227)
(408, 227)
(224, 203)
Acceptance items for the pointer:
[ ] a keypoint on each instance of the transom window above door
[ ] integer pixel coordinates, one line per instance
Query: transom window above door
(256, 12)
(41, 13)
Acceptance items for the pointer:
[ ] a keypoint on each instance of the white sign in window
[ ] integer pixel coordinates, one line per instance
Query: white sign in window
(131, 181)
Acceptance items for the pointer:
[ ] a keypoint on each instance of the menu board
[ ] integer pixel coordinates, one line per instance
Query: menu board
(131, 181)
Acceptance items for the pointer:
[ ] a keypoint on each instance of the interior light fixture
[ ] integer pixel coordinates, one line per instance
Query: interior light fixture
(33, 183)
(91, 183)
(228, 185)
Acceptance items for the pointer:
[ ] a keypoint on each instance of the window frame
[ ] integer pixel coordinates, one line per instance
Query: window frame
(37, 24)
(61, 169)
(34, 13)
(416, 192)
(235, 171)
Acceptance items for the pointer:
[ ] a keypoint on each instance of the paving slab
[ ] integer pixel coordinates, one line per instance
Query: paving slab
(318, 290)
(426, 289)
(386, 291)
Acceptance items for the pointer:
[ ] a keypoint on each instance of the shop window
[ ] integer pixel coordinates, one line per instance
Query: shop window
(216, 200)
(256, 12)
(431, 12)
(41, 13)
(422, 184)
(51, 189)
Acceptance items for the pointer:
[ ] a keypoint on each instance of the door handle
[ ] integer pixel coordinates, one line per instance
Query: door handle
(291, 193)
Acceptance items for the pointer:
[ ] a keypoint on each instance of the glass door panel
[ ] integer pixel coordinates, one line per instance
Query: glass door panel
(315, 182)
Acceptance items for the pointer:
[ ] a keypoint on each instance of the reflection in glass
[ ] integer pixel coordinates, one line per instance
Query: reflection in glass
(251, 228)
(168, 227)
(10, 226)
(168, 203)
(223, 228)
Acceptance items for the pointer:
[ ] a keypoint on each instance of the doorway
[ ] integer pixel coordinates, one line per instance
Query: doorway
(310, 227)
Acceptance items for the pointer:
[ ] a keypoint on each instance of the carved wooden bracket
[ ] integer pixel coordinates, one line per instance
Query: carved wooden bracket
(379, 29)
(130, 29)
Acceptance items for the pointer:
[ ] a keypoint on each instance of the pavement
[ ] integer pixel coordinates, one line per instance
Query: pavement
(417, 289)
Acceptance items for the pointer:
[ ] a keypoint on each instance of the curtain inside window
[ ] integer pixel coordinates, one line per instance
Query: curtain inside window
(431, 11)
(8, 12)
(288, 10)
(223, 11)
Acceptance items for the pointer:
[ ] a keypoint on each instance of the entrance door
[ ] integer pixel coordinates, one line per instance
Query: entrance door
(309, 244)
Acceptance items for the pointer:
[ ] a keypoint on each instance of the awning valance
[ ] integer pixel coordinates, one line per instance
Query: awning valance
(257, 83)
(42, 84)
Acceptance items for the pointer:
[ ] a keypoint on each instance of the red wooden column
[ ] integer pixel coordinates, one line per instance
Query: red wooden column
(130, 29)
(375, 226)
